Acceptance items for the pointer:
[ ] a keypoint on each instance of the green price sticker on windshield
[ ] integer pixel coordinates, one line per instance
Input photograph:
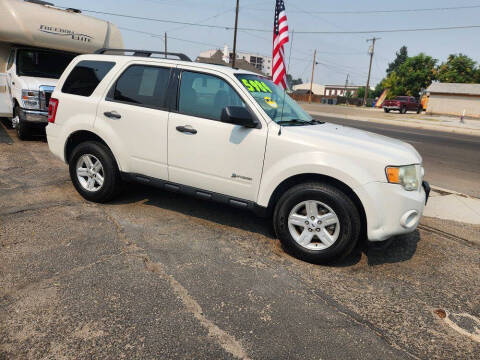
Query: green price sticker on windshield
(256, 86)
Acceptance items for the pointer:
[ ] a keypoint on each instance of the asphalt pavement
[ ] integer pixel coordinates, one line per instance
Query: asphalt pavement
(155, 275)
(451, 161)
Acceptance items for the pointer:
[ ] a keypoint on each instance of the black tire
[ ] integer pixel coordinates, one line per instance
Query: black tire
(419, 110)
(111, 174)
(403, 110)
(339, 202)
(386, 110)
(22, 129)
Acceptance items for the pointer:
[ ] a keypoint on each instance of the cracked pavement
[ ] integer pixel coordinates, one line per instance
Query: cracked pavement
(159, 275)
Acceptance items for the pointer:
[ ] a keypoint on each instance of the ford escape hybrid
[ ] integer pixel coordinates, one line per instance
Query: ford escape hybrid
(227, 135)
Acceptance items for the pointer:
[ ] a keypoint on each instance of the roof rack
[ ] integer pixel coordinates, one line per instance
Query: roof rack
(145, 53)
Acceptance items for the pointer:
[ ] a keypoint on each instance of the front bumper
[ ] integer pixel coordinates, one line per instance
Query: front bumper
(391, 210)
(33, 116)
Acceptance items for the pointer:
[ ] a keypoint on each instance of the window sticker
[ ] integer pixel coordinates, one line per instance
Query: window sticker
(256, 86)
(270, 102)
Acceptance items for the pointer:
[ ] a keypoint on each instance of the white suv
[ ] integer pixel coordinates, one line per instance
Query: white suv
(231, 136)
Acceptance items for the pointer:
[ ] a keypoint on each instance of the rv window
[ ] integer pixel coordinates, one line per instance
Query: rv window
(10, 59)
(85, 77)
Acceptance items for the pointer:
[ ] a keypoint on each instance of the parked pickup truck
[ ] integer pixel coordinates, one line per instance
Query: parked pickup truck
(402, 104)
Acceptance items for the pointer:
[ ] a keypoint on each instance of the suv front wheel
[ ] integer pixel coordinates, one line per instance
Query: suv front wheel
(94, 172)
(317, 222)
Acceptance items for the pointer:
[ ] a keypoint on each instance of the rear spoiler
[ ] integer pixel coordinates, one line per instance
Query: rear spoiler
(144, 53)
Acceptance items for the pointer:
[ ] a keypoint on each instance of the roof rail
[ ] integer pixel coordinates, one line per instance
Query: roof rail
(145, 53)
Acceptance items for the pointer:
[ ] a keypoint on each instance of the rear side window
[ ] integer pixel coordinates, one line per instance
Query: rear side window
(85, 77)
(142, 85)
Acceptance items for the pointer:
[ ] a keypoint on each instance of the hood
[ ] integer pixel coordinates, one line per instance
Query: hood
(347, 140)
(34, 83)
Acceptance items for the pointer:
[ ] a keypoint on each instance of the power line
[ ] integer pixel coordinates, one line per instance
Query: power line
(367, 12)
(297, 32)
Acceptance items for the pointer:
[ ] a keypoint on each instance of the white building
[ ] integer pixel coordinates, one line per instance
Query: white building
(454, 99)
(317, 89)
(261, 62)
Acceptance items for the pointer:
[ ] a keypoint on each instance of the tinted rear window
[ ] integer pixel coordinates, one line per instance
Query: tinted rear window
(85, 77)
(142, 85)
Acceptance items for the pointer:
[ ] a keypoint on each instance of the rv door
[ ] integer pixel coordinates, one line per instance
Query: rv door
(6, 61)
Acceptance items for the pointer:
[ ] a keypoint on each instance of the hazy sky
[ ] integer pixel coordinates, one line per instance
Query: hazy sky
(339, 54)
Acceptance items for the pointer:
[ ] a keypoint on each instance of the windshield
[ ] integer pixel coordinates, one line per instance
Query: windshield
(280, 107)
(41, 63)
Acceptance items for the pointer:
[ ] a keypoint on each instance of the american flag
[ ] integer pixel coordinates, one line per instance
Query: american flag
(280, 38)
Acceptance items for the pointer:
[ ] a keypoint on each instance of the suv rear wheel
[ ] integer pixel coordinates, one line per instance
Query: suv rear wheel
(317, 222)
(94, 172)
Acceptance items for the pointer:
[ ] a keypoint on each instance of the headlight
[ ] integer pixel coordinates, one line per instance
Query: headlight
(31, 99)
(409, 176)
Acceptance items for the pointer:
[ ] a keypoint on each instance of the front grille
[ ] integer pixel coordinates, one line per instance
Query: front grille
(45, 95)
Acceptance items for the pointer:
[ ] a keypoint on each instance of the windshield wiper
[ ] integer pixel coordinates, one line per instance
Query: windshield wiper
(298, 122)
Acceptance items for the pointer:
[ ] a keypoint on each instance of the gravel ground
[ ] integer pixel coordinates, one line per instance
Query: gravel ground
(158, 275)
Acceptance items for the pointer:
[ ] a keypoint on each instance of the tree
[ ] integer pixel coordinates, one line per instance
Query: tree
(415, 74)
(458, 69)
(378, 90)
(293, 81)
(401, 57)
(361, 92)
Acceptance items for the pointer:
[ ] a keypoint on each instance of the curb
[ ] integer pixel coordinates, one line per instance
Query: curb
(403, 123)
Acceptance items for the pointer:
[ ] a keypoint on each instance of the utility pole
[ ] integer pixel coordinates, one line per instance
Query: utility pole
(371, 51)
(313, 72)
(235, 37)
(165, 45)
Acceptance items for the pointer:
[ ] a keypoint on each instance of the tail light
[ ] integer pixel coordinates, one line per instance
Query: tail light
(52, 110)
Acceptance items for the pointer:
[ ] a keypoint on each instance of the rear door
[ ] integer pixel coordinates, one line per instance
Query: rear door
(413, 104)
(7, 58)
(204, 152)
(134, 114)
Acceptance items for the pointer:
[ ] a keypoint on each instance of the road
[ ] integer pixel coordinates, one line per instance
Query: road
(452, 161)
(158, 275)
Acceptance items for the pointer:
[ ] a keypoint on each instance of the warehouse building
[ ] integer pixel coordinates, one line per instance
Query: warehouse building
(454, 99)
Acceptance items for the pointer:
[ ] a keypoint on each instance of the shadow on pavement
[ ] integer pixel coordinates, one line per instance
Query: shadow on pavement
(396, 250)
(4, 137)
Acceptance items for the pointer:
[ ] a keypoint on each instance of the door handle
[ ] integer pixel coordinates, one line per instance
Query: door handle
(112, 115)
(187, 129)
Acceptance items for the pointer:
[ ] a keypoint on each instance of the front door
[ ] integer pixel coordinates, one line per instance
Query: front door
(134, 114)
(204, 152)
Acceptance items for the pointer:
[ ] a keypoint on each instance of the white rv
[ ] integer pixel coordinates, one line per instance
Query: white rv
(37, 42)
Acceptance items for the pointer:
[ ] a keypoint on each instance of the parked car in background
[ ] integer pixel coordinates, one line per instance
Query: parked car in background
(402, 104)
(37, 42)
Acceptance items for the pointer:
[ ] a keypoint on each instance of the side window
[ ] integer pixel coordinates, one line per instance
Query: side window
(85, 77)
(10, 59)
(142, 85)
(205, 96)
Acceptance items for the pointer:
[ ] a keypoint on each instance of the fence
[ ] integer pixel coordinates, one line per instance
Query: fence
(331, 100)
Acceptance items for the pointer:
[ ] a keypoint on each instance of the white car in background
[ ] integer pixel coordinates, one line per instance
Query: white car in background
(227, 135)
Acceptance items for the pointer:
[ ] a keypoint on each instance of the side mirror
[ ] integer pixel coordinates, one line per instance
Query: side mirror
(238, 115)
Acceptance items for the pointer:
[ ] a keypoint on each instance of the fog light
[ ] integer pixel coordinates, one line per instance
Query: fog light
(409, 219)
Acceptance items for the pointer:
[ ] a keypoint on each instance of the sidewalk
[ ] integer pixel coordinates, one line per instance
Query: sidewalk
(419, 121)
